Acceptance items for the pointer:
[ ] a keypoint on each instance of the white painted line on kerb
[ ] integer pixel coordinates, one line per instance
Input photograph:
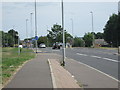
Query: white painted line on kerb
(52, 75)
(82, 54)
(97, 70)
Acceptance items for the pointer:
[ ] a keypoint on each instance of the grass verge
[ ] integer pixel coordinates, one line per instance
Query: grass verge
(11, 61)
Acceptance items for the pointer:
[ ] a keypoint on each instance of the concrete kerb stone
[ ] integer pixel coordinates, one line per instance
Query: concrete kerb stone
(56, 69)
(52, 75)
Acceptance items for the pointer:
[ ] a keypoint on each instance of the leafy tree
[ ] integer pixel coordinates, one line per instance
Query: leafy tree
(42, 39)
(56, 34)
(99, 35)
(112, 30)
(88, 38)
(78, 42)
(10, 38)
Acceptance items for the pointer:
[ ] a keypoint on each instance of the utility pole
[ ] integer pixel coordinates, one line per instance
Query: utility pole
(27, 32)
(117, 34)
(13, 38)
(18, 45)
(35, 26)
(72, 26)
(31, 28)
(63, 34)
(93, 30)
(31, 24)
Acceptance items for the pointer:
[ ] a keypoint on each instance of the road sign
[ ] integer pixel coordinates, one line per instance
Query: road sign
(36, 37)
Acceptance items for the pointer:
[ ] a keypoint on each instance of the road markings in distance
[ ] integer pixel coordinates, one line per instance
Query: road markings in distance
(108, 59)
(96, 56)
(82, 54)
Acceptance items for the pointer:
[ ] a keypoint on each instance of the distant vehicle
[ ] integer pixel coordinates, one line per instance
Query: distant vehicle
(42, 45)
(20, 46)
(56, 46)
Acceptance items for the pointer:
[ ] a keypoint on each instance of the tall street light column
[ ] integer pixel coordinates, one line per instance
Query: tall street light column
(31, 28)
(27, 31)
(92, 30)
(72, 26)
(35, 27)
(63, 34)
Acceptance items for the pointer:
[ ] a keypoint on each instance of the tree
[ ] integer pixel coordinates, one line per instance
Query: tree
(112, 30)
(42, 39)
(10, 38)
(56, 34)
(99, 35)
(78, 42)
(88, 38)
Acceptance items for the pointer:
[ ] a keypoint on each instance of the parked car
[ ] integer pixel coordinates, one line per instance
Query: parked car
(56, 46)
(42, 45)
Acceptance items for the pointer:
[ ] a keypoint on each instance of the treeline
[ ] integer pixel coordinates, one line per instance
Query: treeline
(55, 35)
(10, 38)
(111, 34)
(112, 30)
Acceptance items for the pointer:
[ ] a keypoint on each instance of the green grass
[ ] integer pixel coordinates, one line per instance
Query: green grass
(11, 60)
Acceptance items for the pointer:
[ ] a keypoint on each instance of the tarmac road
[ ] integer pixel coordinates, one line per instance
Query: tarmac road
(104, 60)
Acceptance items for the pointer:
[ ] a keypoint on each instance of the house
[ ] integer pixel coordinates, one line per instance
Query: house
(100, 42)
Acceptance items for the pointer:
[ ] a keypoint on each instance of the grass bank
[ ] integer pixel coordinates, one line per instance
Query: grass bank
(11, 61)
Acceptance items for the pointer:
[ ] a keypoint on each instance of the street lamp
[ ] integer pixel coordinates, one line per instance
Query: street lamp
(31, 23)
(63, 63)
(35, 27)
(92, 29)
(31, 28)
(27, 31)
(72, 26)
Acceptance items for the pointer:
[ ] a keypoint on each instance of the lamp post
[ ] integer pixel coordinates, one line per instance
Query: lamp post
(13, 38)
(35, 27)
(27, 31)
(92, 30)
(31, 28)
(72, 26)
(31, 23)
(63, 63)
(18, 44)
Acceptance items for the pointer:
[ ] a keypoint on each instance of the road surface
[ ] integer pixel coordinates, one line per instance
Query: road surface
(104, 60)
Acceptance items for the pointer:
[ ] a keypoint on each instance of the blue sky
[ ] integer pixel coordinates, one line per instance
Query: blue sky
(14, 15)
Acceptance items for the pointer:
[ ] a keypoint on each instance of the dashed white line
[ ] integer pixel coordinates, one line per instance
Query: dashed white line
(82, 54)
(96, 56)
(108, 59)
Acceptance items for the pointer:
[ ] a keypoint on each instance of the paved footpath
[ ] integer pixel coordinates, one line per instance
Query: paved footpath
(37, 74)
(34, 74)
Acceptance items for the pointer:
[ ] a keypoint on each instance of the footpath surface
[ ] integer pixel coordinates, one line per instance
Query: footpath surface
(37, 74)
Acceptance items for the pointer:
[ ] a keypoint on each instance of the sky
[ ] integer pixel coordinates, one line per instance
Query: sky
(14, 15)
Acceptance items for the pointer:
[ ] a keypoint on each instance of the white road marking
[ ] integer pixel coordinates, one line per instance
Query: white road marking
(108, 59)
(82, 54)
(96, 56)
(97, 70)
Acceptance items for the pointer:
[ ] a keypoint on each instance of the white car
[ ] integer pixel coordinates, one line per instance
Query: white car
(42, 45)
